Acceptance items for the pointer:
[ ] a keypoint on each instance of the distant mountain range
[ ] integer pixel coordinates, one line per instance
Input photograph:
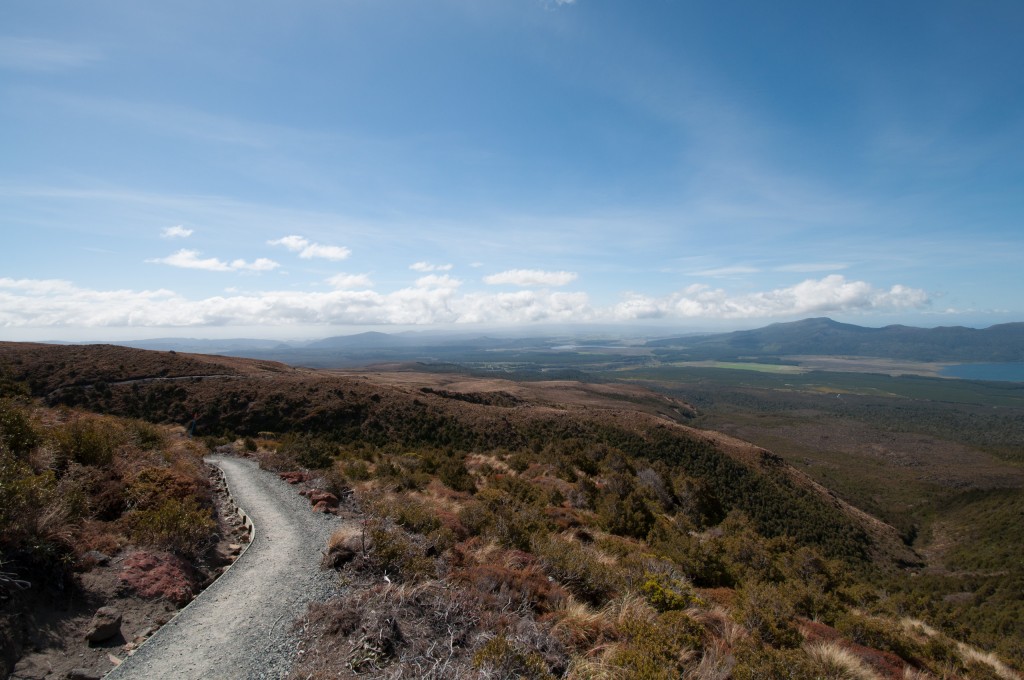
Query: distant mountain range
(823, 336)
(820, 336)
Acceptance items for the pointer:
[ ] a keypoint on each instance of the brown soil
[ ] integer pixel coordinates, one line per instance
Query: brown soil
(54, 624)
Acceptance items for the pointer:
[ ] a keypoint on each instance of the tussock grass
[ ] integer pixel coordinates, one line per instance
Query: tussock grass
(916, 674)
(834, 662)
(972, 655)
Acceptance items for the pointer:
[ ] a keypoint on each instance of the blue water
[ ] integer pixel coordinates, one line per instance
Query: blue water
(1008, 372)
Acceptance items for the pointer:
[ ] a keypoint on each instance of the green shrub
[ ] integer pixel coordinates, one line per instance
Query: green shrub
(628, 516)
(519, 462)
(395, 553)
(699, 557)
(754, 662)
(878, 633)
(23, 496)
(152, 485)
(505, 518)
(308, 451)
(17, 434)
(453, 474)
(766, 612)
(653, 649)
(147, 436)
(666, 592)
(357, 470)
(410, 514)
(86, 441)
(179, 526)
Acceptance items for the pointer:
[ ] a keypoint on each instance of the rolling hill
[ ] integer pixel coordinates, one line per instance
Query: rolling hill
(823, 336)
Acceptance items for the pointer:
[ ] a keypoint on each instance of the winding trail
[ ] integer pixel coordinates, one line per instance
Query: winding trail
(241, 625)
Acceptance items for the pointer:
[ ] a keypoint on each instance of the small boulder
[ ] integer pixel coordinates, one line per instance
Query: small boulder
(106, 623)
(324, 497)
(323, 507)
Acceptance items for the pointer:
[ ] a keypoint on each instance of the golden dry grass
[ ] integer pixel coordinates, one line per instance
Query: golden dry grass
(834, 662)
(973, 655)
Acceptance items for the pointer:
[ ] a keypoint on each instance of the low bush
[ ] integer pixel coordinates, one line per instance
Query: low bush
(153, 485)
(878, 633)
(395, 553)
(768, 615)
(177, 525)
(667, 592)
(17, 434)
(656, 648)
(86, 440)
(308, 451)
(756, 662)
(453, 474)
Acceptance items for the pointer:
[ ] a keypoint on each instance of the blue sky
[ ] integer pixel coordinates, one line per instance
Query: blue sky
(309, 168)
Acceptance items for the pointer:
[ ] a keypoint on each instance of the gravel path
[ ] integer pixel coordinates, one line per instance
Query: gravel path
(241, 626)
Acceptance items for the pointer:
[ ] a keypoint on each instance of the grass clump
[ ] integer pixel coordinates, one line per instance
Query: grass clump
(578, 568)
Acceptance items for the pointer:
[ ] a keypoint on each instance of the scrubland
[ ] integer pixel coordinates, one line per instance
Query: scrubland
(506, 533)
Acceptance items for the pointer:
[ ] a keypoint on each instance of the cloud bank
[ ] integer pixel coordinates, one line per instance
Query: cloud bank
(432, 299)
(828, 295)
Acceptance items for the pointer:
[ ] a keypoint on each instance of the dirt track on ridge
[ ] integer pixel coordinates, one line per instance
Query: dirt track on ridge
(241, 626)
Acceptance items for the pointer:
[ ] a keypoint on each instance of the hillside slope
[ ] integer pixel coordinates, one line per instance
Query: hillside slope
(823, 336)
(537, 530)
(246, 397)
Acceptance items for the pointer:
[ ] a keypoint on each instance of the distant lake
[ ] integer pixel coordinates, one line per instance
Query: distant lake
(1009, 372)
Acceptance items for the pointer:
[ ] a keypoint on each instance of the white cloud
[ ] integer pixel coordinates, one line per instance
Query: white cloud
(348, 281)
(433, 299)
(437, 281)
(530, 277)
(427, 267)
(36, 54)
(189, 259)
(176, 231)
(822, 296)
(308, 250)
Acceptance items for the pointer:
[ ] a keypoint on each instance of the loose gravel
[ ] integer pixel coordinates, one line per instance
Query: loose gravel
(241, 625)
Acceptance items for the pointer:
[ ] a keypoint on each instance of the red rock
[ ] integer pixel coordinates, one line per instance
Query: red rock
(324, 497)
(293, 477)
(323, 507)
